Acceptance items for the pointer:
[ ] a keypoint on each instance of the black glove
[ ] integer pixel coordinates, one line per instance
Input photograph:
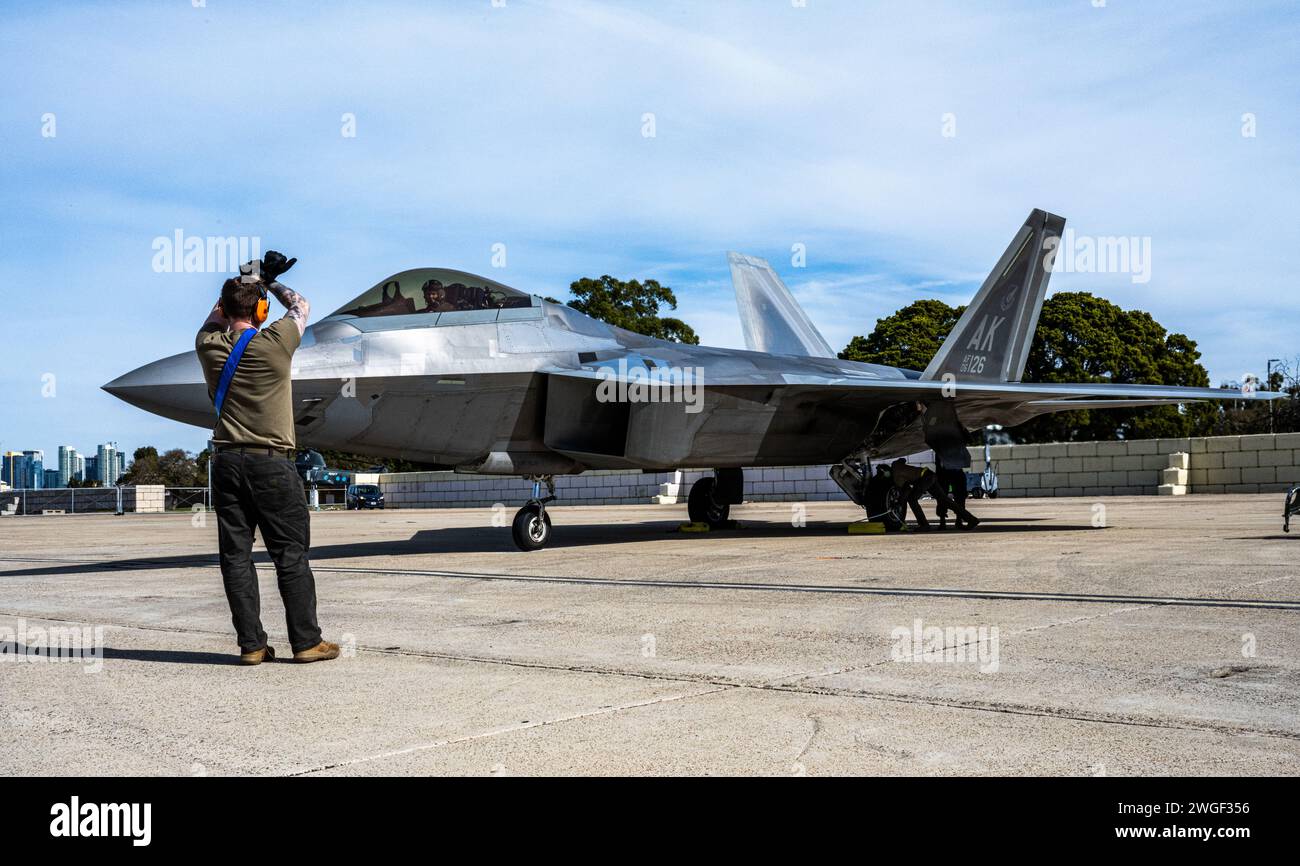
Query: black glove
(274, 264)
(268, 268)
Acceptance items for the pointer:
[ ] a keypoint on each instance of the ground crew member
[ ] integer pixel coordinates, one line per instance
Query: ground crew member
(916, 481)
(953, 483)
(254, 483)
(946, 435)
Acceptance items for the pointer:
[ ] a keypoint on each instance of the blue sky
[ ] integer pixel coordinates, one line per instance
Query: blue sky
(775, 125)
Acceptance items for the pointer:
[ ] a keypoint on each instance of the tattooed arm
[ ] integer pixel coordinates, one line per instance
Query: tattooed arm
(296, 305)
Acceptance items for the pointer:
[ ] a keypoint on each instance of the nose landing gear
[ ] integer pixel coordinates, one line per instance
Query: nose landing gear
(877, 494)
(531, 528)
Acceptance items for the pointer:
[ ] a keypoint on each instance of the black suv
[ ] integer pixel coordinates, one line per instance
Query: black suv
(361, 496)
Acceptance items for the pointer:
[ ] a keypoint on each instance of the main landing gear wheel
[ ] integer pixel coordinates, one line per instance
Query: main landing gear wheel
(895, 516)
(702, 507)
(531, 528)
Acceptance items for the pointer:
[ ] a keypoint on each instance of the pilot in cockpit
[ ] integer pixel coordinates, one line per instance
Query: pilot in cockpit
(435, 298)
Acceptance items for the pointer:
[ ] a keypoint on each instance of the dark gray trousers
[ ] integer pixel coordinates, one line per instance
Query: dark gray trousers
(260, 492)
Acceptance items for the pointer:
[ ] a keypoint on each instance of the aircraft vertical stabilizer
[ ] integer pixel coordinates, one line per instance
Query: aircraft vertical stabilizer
(990, 342)
(770, 317)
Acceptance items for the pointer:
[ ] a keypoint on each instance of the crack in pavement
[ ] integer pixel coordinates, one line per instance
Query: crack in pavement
(794, 678)
(496, 732)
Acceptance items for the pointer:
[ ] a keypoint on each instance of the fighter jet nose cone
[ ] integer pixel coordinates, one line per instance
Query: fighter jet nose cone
(118, 386)
(138, 380)
(172, 387)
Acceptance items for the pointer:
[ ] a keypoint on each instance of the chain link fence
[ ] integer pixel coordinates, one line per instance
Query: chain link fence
(97, 500)
(187, 499)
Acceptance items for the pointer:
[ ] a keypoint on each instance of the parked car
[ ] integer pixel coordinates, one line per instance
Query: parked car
(361, 496)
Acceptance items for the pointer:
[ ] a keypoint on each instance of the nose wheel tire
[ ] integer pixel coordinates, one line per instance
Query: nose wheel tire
(531, 528)
(701, 506)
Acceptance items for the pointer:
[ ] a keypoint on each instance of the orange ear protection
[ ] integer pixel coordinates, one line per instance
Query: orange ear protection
(261, 311)
(263, 308)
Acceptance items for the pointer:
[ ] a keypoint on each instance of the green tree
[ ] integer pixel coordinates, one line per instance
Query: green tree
(178, 468)
(1080, 338)
(1083, 338)
(908, 338)
(201, 467)
(631, 305)
(174, 468)
(145, 468)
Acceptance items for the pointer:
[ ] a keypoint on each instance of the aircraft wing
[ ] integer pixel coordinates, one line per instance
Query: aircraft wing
(1053, 396)
(816, 416)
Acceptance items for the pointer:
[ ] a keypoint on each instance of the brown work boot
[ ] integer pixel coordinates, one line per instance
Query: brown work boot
(256, 657)
(322, 652)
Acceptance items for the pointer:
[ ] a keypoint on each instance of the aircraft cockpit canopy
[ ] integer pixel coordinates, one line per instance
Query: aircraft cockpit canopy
(435, 290)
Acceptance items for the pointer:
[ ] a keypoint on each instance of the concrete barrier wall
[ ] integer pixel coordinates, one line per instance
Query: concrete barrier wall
(454, 490)
(1224, 464)
(598, 487)
(150, 499)
(1266, 463)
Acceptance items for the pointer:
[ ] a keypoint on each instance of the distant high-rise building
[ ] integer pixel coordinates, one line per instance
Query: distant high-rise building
(91, 470)
(107, 462)
(79, 467)
(52, 479)
(67, 464)
(9, 468)
(121, 464)
(33, 470)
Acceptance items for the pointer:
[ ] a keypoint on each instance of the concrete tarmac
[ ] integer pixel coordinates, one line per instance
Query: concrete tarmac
(1119, 636)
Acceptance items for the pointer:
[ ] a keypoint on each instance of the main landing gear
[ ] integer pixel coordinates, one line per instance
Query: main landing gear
(531, 529)
(712, 496)
(876, 494)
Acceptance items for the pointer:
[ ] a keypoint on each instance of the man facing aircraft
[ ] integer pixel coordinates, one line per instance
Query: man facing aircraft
(254, 483)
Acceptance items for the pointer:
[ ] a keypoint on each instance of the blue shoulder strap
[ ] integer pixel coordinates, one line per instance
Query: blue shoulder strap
(228, 371)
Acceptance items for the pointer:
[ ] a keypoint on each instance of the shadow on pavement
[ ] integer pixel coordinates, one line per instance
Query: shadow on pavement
(185, 657)
(489, 539)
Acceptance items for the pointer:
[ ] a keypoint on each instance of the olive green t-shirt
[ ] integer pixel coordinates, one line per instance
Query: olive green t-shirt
(259, 403)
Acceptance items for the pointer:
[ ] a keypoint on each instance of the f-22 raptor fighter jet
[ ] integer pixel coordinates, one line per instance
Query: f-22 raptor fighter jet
(445, 367)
